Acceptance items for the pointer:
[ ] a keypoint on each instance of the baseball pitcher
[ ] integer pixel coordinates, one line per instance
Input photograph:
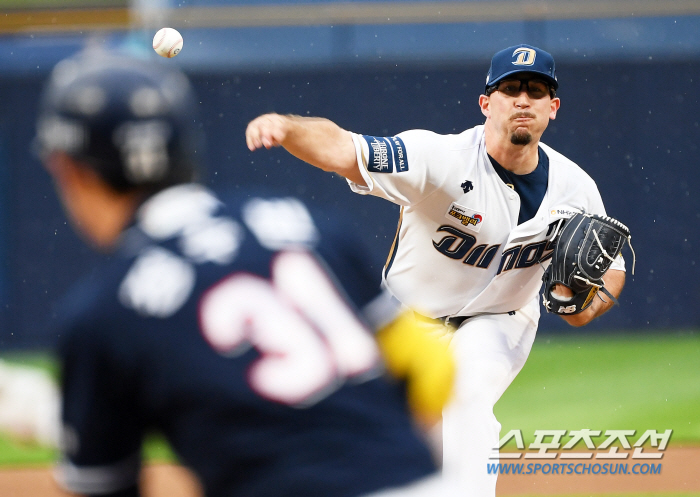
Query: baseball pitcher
(482, 213)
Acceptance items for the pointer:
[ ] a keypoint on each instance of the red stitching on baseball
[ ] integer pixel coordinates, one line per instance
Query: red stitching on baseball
(162, 37)
(173, 46)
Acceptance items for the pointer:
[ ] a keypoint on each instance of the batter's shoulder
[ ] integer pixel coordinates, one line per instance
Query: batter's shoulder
(90, 309)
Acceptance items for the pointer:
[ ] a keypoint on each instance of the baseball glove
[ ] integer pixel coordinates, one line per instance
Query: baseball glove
(584, 249)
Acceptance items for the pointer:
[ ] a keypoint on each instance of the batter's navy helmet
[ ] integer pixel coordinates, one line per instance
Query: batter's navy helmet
(131, 120)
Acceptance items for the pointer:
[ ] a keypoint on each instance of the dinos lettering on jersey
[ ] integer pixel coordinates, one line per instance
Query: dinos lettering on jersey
(459, 245)
(467, 217)
(521, 257)
(549, 248)
(386, 154)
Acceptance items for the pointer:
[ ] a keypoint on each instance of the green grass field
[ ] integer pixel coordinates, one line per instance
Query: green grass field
(570, 382)
(608, 382)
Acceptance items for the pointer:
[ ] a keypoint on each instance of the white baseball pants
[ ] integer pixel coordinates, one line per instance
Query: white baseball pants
(490, 350)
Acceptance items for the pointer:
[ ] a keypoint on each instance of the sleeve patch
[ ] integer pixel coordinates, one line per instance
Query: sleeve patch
(386, 154)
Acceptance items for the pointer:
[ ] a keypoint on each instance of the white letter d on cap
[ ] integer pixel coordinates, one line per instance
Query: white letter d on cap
(526, 56)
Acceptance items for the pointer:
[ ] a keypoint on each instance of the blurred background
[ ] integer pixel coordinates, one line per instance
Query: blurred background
(630, 85)
(629, 73)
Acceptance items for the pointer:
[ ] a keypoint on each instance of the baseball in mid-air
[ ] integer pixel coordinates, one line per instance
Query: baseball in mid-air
(167, 42)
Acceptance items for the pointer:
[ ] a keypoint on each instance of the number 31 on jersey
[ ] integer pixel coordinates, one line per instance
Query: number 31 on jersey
(309, 339)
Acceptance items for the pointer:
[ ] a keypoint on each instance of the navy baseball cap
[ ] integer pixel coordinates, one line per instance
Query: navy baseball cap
(522, 58)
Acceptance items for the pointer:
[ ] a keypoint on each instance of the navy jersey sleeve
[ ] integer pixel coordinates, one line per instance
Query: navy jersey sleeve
(102, 423)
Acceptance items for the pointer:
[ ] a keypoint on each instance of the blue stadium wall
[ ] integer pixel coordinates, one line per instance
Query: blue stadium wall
(633, 125)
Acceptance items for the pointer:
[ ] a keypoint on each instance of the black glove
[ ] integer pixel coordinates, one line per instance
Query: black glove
(583, 251)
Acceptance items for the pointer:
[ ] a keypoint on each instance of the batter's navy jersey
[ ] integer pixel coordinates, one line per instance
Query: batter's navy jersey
(217, 326)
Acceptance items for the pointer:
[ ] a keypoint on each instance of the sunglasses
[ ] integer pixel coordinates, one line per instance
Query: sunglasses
(535, 88)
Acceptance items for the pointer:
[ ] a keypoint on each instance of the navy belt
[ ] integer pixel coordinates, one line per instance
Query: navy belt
(453, 321)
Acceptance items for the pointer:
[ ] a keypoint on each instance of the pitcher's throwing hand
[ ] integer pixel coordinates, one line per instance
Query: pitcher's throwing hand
(268, 130)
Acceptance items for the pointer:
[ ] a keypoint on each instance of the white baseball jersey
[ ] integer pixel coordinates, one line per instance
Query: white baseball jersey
(459, 250)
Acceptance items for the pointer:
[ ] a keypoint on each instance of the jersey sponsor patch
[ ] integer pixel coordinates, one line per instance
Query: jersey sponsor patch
(467, 217)
(562, 212)
(386, 154)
